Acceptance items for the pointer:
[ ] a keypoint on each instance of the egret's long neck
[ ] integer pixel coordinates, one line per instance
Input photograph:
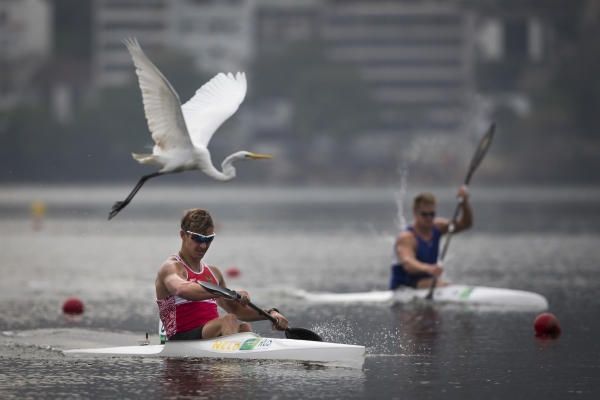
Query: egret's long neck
(205, 164)
(227, 165)
(227, 174)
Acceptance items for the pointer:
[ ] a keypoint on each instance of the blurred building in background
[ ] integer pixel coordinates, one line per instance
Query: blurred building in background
(416, 55)
(217, 34)
(431, 69)
(26, 34)
(416, 59)
(281, 23)
(114, 20)
(510, 36)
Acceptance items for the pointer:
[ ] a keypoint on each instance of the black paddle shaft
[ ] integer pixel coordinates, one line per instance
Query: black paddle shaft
(290, 333)
(481, 151)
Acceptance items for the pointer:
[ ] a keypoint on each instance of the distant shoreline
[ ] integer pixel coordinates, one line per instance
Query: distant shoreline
(104, 194)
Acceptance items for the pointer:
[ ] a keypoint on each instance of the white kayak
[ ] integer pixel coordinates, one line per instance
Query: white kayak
(457, 294)
(244, 346)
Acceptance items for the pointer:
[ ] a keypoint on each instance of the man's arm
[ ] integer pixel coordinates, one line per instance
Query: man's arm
(465, 219)
(405, 250)
(171, 280)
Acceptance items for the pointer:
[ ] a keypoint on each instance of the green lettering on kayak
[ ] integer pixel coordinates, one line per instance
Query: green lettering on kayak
(257, 344)
(466, 292)
(249, 344)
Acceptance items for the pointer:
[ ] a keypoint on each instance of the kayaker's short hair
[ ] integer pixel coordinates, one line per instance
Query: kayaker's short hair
(423, 199)
(196, 220)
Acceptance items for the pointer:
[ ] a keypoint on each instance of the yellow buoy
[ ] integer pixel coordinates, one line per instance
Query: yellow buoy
(38, 208)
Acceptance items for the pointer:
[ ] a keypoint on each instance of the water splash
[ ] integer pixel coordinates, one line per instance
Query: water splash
(336, 331)
(380, 342)
(400, 195)
(382, 236)
(387, 342)
(414, 153)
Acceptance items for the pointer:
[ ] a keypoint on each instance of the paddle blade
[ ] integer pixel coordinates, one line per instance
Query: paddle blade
(220, 290)
(302, 334)
(484, 145)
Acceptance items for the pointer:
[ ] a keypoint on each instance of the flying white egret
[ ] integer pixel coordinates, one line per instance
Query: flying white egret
(182, 133)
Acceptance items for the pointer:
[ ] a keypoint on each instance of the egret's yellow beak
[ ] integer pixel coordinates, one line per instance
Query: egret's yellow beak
(257, 156)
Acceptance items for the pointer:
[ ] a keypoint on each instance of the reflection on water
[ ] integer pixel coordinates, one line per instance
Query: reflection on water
(57, 377)
(420, 326)
(253, 379)
(182, 378)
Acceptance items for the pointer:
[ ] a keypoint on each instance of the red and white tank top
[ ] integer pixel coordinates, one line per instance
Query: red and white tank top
(181, 315)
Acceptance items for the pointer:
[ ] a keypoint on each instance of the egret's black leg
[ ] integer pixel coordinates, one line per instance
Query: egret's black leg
(119, 205)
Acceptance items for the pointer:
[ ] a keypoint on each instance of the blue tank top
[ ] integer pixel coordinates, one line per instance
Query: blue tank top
(427, 252)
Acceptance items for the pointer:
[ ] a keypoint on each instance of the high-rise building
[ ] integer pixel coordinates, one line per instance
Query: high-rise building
(218, 34)
(417, 57)
(114, 20)
(25, 43)
(279, 23)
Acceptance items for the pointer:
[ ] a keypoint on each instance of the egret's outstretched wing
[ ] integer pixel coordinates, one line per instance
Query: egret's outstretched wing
(161, 103)
(212, 104)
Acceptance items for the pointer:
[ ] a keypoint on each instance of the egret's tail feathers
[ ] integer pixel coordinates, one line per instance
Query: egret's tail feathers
(147, 159)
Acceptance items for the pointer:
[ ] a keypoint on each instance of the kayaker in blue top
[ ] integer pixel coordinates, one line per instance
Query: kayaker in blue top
(415, 255)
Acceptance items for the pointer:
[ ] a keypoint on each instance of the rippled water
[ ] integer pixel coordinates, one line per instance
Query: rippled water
(540, 240)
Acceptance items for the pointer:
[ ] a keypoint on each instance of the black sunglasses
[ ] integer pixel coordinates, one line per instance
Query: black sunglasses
(198, 238)
(427, 214)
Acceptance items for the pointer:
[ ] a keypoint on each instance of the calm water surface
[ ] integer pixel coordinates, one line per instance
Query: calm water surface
(337, 240)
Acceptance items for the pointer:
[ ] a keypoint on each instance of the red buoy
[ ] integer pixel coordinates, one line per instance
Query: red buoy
(232, 272)
(73, 306)
(546, 324)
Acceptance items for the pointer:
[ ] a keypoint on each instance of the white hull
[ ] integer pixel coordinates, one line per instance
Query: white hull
(458, 294)
(243, 346)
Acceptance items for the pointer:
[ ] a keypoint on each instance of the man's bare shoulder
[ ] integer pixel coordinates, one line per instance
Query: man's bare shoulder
(170, 266)
(405, 236)
(213, 268)
(217, 273)
(406, 239)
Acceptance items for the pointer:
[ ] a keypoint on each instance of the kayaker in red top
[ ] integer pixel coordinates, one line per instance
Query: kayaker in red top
(187, 311)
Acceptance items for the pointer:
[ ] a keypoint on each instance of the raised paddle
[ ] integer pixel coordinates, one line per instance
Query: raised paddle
(484, 145)
(290, 333)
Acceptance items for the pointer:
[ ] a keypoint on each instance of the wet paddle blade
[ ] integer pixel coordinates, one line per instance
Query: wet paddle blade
(302, 334)
(219, 290)
(484, 145)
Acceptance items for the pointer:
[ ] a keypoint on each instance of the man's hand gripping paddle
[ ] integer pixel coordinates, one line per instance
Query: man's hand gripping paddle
(290, 333)
(482, 149)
